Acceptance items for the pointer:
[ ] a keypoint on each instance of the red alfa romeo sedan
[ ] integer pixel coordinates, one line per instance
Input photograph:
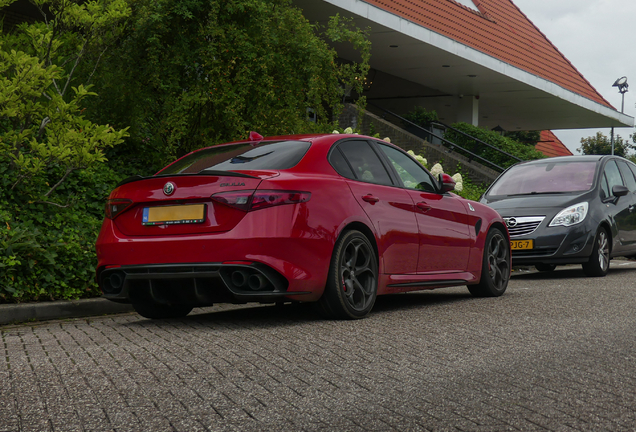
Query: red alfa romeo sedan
(331, 219)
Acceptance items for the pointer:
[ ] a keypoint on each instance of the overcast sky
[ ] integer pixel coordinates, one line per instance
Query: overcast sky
(599, 38)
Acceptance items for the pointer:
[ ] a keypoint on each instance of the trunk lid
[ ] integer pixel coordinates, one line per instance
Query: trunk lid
(182, 204)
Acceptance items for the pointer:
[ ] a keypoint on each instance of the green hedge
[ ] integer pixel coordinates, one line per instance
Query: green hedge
(470, 190)
(522, 151)
(48, 252)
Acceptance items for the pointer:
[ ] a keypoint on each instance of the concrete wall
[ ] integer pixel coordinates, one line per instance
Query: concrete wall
(433, 153)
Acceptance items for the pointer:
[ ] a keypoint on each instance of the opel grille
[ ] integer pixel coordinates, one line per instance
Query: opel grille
(518, 226)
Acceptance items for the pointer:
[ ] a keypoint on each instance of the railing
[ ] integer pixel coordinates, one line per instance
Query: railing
(451, 145)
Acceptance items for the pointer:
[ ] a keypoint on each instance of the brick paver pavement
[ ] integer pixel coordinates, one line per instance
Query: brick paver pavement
(556, 353)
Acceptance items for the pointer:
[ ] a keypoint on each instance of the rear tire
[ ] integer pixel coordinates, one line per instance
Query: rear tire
(158, 311)
(495, 270)
(598, 265)
(352, 284)
(545, 267)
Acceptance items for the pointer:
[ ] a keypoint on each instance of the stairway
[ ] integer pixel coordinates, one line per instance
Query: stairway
(451, 161)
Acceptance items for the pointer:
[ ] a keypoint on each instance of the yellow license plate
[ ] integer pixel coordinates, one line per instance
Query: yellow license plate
(521, 244)
(174, 215)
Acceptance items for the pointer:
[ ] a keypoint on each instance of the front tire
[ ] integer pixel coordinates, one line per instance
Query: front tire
(158, 311)
(495, 270)
(598, 265)
(352, 284)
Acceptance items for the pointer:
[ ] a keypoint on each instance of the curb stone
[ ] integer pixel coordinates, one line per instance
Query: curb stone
(22, 312)
(15, 313)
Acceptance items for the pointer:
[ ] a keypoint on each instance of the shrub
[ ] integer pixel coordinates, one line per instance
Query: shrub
(422, 117)
(522, 151)
(48, 252)
(471, 190)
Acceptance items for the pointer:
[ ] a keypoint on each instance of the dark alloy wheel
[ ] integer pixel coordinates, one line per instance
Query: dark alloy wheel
(158, 311)
(598, 265)
(495, 272)
(542, 267)
(353, 278)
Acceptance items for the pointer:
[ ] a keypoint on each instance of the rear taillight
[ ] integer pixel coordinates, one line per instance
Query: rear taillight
(248, 200)
(115, 206)
(239, 200)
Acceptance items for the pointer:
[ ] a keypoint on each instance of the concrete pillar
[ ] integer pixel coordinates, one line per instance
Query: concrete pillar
(468, 109)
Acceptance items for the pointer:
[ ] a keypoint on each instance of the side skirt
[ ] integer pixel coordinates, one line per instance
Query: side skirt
(390, 284)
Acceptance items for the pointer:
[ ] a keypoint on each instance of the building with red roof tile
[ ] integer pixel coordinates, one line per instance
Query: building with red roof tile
(551, 146)
(478, 61)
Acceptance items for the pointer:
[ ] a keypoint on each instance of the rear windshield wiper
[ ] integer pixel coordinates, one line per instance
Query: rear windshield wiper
(245, 159)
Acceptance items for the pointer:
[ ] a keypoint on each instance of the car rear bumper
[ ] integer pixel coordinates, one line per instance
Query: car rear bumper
(195, 284)
(300, 259)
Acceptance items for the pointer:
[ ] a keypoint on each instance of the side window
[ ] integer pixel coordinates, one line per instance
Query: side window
(604, 188)
(365, 162)
(633, 168)
(613, 176)
(412, 175)
(339, 163)
(628, 175)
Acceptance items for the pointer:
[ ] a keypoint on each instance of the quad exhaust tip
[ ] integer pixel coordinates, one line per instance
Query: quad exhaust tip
(240, 278)
(252, 280)
(257, 282)
(114, 282)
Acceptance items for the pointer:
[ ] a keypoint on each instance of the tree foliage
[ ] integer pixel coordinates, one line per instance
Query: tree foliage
(600, 144)
(524, 137)
(199, 72)
(44, 136)
(52, 177)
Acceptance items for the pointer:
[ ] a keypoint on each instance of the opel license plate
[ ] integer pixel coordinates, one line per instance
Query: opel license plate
(521, 244)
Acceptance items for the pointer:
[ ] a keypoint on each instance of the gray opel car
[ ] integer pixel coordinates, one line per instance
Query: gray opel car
(568, 210)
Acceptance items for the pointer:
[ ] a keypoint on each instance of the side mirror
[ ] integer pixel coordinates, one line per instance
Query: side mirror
(446, 183)
(619, 191)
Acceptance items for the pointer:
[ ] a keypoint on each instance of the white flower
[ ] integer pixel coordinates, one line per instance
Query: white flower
(348, 130)
(421, 160)
(387, 139)
(459, 186)
(335, 132)
(367, 176)
(458, 178)
(437, 170)
(418, 158)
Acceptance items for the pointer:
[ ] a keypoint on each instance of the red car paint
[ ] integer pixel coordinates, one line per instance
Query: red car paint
(422, 239)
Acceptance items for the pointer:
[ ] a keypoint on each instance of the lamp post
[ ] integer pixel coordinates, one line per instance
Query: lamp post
(622, 85)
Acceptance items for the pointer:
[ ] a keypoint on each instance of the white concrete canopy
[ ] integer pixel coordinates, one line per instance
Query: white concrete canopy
(412, 65)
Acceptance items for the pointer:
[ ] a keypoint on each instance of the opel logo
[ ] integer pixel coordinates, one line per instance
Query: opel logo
(511, 222)
(169, 188)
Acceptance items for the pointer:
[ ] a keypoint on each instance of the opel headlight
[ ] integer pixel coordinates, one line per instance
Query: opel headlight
(571, 215)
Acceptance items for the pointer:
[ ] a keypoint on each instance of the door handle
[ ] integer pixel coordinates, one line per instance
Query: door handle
(370, 199)
(423, 206)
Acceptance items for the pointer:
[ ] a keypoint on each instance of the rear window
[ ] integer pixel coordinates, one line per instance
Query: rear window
(547, 177)
(272, 155)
